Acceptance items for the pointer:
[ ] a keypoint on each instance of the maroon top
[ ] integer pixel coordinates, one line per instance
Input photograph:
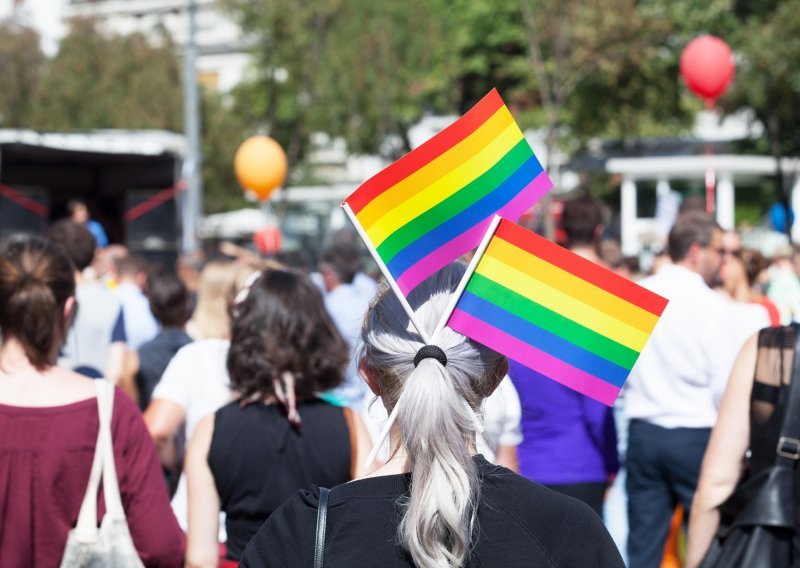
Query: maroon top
(45, 459)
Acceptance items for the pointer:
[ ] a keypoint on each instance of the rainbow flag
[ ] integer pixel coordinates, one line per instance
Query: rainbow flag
(557, 313)
(435, 203)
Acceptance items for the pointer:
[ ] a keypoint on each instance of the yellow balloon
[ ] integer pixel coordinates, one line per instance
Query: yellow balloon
(260, 165)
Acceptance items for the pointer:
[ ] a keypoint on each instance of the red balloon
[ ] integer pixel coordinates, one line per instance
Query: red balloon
(707, 66)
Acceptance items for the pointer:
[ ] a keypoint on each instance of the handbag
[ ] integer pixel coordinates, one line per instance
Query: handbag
(763, 531)
(111, 545)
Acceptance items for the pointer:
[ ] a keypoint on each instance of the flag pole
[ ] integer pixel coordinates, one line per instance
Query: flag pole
(386, 274)
(473, 264)
(384, 433)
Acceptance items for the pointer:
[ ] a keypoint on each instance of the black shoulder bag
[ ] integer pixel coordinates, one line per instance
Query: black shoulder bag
(762, 533)
(322, 517)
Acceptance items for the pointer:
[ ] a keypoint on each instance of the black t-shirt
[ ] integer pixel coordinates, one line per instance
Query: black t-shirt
(154, 356)
(519, 524)
(259, 460)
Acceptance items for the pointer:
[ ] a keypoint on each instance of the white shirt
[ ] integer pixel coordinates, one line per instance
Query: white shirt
(196, 379)
(683, 370)
(140, 324)
(502, 414)
(90, 335)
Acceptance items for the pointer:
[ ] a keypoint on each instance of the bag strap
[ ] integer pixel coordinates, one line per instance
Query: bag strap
(788, 447)
(86, 528)
(322, 517)
(113, 500)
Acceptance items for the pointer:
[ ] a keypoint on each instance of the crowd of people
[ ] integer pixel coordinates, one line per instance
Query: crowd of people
(245, 385)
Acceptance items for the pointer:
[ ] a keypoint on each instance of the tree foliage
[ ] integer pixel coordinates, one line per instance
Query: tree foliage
(359, 69)
(99, 81)
(366, 71)
(21, 67)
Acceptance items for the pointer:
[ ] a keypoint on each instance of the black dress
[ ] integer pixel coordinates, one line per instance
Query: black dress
(519, 525)
(259, 460)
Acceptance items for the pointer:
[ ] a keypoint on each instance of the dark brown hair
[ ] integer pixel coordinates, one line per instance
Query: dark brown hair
(169, 298)
(343, 259)
(282, 326)
(76, 241)
(36, 278)
(754, 264)
(580, 219)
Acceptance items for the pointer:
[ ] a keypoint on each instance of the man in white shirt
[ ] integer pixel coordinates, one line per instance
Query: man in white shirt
(140, 324)
(673, 392)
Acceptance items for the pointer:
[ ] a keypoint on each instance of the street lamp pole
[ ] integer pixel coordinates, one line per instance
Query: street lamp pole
(192, 170)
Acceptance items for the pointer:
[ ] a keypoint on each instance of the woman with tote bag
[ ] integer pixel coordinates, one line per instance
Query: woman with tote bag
(49, 433)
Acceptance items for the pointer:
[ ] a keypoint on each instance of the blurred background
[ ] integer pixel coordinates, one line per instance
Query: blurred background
(137, 107)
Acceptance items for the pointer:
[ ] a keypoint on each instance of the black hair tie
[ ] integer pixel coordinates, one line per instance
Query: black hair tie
(430, 352)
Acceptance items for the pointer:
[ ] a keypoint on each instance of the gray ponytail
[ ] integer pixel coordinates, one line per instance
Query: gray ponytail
(434, 424)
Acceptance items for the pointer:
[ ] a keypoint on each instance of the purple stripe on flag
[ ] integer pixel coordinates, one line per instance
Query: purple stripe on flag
(534, 358)
(469, 239)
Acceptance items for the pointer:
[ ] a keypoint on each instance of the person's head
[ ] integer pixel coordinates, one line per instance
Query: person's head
(339, 264)
(132, 269)
(610, 252)
(78, 211)
(433, 424)
(37, 289)
(755, 265)
(105, 261)
(220, 282)
(582, 221)
(76, 241)
(169, 299)
(283, 342)
(189, 266)
(731, 243)
(695, 242)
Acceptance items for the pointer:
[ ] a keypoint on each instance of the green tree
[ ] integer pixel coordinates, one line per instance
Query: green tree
(359, 69)
(21, 67)
(223, 132)
(99, 81)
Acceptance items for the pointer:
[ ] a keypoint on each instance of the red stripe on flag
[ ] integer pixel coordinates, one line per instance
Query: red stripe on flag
(427, 152)
(580, 267)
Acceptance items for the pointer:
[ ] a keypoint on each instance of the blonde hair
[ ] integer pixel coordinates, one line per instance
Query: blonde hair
(215, 290)
(435, 426)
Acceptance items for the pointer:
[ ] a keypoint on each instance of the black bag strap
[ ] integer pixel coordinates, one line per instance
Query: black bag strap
(788, 448)
(322, 517)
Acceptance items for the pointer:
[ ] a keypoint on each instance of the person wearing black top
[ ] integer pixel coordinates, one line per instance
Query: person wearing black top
(169, 302)
(434, 504)
(276, 436)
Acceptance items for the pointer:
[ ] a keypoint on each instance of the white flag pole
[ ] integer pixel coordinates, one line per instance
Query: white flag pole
(384, 433)
(386, 274)
(413, 317)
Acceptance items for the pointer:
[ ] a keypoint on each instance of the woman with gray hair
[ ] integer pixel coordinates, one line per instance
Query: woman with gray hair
(434, 503)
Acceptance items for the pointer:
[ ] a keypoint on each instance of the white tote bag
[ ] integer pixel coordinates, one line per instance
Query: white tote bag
(110, 546)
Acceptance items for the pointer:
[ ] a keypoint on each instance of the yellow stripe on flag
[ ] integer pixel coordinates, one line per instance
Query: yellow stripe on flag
(445, 187)
(562, 303)
(434, 170)
(572, 285)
